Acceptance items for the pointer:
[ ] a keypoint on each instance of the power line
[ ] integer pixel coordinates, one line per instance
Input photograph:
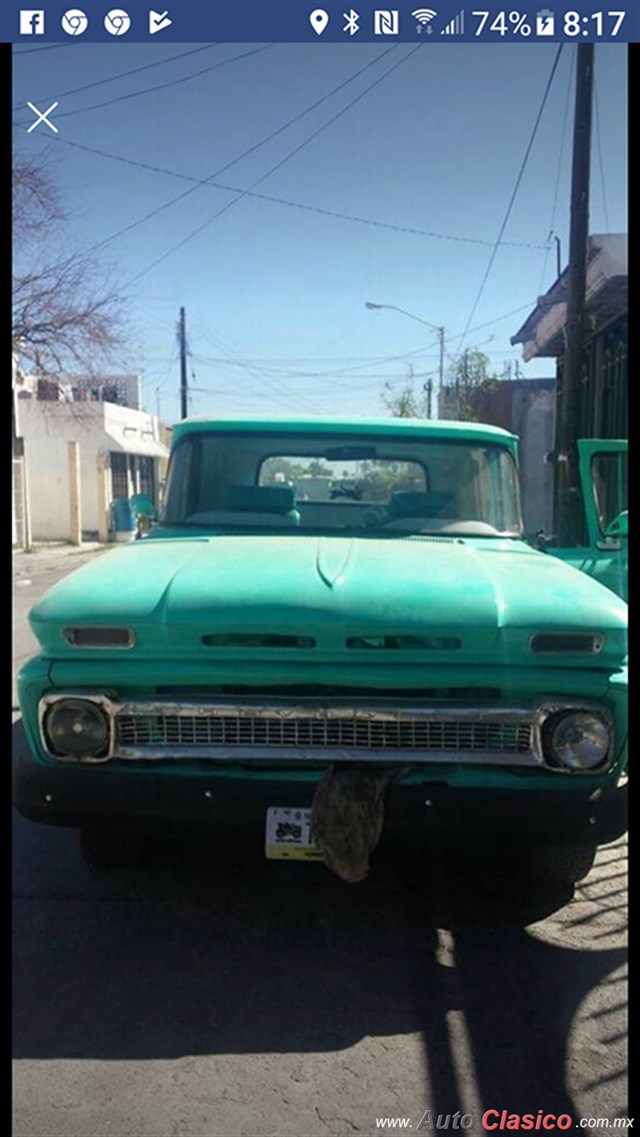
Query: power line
(368, 361)
(499, 319)
(125, 74)
(556, 189)
(285, 372)
(469, 331)
(410, 230)
(164, 86)
(358, 367)
(600, 161)
(275, 362)
(133, 71)
(513, 195)
(278, 165)
(257, 373)
(169, 371)
(300, 406)
(255, 369)
(210, 361)
(239, 157)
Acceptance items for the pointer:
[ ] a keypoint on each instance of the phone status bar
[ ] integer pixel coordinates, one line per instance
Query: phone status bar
(293, 21)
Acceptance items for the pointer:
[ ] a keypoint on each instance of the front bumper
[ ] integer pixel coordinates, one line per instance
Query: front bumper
(176, 802)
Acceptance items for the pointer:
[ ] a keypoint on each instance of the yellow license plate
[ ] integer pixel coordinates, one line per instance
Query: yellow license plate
(287, 835)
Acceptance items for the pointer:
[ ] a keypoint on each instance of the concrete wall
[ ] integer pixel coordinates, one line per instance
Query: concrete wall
(526, 407)
(127, 389)
(47, 428)
(533, 413)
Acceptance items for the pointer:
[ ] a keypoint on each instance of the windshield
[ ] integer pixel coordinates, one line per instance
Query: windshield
(346, 483)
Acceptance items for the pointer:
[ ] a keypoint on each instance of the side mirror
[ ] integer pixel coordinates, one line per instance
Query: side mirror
(619, 527)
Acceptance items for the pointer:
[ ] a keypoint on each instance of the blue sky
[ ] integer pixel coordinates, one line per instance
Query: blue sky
(275, 294)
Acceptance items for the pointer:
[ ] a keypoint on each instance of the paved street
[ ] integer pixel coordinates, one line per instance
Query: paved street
(211, 993)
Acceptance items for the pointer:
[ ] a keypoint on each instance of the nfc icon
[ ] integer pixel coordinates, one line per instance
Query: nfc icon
(385, 23)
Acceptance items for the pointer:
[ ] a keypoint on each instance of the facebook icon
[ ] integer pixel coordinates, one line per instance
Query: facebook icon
(32, 23)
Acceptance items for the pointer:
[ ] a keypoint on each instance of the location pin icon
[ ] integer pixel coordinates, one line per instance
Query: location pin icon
(318, 20)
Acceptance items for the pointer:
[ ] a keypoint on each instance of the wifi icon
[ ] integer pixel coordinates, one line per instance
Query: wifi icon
(424, 15)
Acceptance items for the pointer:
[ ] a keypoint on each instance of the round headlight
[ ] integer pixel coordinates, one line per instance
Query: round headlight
(577, 740)
(77, 727)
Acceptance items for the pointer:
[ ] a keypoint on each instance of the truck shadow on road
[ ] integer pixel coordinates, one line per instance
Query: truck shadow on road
(211, 950)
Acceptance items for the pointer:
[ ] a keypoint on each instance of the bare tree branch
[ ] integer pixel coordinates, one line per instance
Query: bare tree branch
(67, 314)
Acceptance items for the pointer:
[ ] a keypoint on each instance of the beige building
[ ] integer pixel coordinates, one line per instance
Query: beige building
(118, 453)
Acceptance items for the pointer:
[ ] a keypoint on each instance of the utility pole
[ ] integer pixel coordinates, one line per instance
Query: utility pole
(567, 498)
(428, 389)
(440, 330)
(429, 385)
(441, 367)
(465, 379)
(182, 341)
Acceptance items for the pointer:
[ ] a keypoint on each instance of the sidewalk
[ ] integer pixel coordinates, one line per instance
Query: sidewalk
(47, 556)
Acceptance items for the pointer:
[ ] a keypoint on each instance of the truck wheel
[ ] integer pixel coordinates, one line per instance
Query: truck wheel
(106, 848)
(557, 864)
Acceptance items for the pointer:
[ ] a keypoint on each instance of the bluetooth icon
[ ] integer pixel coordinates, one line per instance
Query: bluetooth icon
(351, 25)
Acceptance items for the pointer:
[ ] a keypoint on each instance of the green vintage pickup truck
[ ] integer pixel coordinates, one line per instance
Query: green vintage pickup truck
(317, 664)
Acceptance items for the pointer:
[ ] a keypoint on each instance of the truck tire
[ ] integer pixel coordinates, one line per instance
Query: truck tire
(106, 848)
(557, 864)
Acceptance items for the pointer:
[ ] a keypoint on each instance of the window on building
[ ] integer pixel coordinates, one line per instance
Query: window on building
(147, 479)
(119, 474)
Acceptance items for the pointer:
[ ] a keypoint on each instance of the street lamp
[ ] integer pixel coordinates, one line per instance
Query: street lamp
(434, 327)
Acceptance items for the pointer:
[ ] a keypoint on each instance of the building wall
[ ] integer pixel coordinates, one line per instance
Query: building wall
(49, 483)
(47, 428)
(533, 420)
(20, 532)
(19, 518)
(125, 390)
(526, 407)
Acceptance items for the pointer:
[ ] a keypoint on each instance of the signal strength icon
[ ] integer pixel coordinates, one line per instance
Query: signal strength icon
(456, 27)
(424, 15)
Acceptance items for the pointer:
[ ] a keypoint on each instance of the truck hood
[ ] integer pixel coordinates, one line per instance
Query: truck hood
(432, 597)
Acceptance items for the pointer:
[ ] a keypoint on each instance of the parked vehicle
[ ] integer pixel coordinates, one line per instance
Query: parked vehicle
(307, 665)
(346, 487)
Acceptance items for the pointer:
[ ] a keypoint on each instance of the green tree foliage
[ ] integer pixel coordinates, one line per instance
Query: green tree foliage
(468, 382)
(403, 401)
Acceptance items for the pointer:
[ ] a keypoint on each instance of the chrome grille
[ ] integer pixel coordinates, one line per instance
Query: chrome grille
(226, 728)
(408, 728)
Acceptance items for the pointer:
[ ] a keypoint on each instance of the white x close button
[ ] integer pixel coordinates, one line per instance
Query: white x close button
(42, 117)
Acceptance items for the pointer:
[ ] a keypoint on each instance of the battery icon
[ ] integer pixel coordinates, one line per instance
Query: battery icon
(545, 23)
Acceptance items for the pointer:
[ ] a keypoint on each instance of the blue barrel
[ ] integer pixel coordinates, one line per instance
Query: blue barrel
(122, 520)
